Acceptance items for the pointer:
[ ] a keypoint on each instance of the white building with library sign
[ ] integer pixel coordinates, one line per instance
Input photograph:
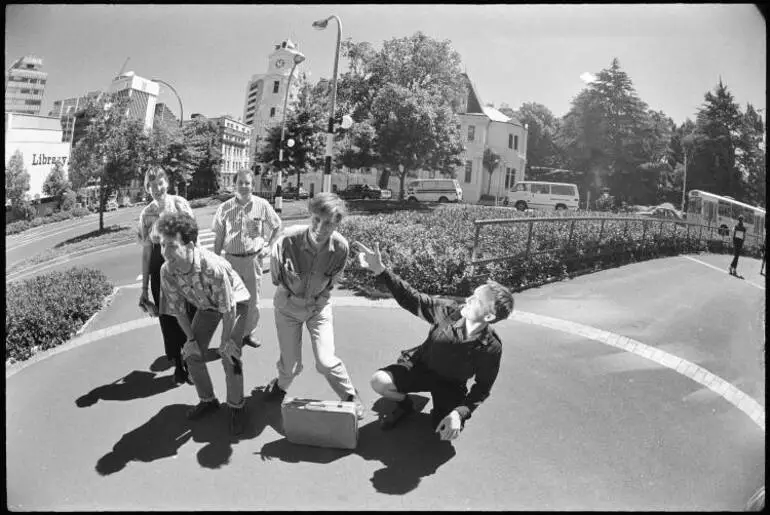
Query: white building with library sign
(39, 139)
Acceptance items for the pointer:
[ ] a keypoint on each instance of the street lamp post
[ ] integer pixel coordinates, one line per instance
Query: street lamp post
(278, 204)
(322, 24)
(181, 113)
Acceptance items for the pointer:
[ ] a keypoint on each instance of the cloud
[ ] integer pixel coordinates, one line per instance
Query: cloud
(587, 77)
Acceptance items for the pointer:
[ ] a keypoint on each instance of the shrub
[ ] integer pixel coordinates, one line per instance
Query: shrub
(432, 250)
(199, 202)
(23, 225)
(24, 210)
(46, 311)
(69, 198)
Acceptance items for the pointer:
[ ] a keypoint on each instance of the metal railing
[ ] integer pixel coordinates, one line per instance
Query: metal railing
(654, 227)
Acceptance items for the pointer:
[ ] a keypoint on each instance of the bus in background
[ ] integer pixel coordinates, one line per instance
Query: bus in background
(722, 212)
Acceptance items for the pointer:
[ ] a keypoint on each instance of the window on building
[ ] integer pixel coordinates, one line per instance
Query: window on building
(272, 112)
(276, 85)
(510, 141)
(468, 170)
(515, 143)
(471, 132)
(510, 177)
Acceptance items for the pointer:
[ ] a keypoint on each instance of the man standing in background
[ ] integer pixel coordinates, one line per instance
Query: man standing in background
(240, 227)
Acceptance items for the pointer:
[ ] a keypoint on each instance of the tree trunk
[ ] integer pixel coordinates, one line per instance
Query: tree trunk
(384, 178)
(489, 183)
(402, 179)
(101, 208)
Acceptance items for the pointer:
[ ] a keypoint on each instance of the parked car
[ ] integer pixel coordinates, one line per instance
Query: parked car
(125, 202)
(543, 195)
(365, 192)
(434, 190)
(665, 211)
(112, 205)
(291, 193)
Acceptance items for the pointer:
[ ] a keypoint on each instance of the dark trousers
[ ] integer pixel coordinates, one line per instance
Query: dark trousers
(173, 336)
(737, 246)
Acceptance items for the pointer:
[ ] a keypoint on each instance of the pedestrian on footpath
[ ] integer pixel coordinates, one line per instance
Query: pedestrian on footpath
(460, 345)
(739, 235)
(156, 184)
(246, 227)
(305, 265)
(208, 282)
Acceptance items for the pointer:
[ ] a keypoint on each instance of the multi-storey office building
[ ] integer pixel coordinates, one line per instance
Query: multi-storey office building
(164, 115)
(25, 84)
(234, 138)
(142, 94)
(265, 92)
(67, 109)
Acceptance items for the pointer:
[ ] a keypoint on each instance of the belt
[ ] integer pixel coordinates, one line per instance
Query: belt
(243, 255)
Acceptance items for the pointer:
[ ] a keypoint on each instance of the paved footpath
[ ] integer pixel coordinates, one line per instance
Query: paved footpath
(637, 388)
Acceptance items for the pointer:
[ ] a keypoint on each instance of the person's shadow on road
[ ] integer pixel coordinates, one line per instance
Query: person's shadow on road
(165, 433)
(162, 363)
(409, 452)
(138, 384)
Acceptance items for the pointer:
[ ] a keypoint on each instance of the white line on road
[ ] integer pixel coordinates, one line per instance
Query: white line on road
(720, 270)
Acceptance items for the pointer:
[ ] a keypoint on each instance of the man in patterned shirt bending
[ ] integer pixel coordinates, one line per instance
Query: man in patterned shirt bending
(208, 282)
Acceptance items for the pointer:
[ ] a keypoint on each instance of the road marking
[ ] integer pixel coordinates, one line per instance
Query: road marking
(721, 270)
(716, 384)
(55, 263)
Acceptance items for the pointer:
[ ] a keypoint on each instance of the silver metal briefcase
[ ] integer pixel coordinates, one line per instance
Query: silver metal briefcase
(320, 423)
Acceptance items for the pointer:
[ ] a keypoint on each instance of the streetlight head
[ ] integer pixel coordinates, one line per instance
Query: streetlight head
(320, 24)
(298, 58)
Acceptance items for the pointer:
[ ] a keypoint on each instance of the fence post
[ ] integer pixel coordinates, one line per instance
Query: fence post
(625, 230)
(644, 233)
(700, 235)
(474, 250)
(571, 230)
(601, 233)
(529, 239)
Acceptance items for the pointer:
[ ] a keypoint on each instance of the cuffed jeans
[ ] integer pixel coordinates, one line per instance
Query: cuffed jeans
(203, 325)
(290, 313)
(250, 270)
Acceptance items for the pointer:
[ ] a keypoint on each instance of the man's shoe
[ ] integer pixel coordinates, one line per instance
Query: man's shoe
(247, 340)
(274, 393)
(181, 375)
(360, 410)
(202, 409)
(403, 408)
(237, 420)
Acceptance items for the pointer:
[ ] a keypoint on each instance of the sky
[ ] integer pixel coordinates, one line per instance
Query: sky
(673, 53)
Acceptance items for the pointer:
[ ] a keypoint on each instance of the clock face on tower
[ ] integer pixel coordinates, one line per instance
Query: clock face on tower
(279, 63)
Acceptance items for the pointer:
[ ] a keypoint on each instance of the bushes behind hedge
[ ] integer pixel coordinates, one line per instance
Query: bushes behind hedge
(23, 225)
(432, 250)
(46, 311)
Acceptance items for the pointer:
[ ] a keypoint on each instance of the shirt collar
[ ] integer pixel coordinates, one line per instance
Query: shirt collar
(307, 245)
(247, 206)
(459, 323)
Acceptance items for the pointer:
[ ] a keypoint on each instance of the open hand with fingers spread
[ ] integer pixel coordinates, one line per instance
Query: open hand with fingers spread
(367, 258)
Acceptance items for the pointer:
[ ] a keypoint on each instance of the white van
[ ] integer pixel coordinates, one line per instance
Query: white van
(434, 190)
(543, 195)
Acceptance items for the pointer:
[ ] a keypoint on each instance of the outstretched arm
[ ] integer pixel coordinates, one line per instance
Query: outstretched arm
(424, 306)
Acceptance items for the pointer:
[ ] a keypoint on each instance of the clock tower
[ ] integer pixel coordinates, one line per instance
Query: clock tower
(265, 93)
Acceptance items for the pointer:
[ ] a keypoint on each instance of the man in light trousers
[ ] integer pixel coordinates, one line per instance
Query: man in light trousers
(304, 265)
(240, 226)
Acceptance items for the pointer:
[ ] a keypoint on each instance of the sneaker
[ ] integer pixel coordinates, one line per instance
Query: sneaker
(403, 408)
(273, 392)
(247, 340)
(360, 410)
(202, 409)
(237, 420)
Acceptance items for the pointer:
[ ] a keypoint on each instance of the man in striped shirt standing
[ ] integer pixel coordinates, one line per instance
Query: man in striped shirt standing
(240, 227)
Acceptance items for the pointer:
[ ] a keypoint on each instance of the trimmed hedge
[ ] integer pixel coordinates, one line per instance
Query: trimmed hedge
(432, 250)
(46, 311)
(23, 225)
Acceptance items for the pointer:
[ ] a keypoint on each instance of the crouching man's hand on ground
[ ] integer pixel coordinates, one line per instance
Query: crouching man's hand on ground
(367, 258)
(450, 426)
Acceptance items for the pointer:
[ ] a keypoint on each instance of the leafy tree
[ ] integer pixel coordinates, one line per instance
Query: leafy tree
(415, 130)
(202, 135)
(56, 184)
(490, 161)
(751, 157)
(16, 179)
(542, 128)
(113, 150)
(172, 148)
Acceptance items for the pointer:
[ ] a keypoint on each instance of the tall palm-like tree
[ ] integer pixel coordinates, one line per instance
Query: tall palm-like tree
(490, 161)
